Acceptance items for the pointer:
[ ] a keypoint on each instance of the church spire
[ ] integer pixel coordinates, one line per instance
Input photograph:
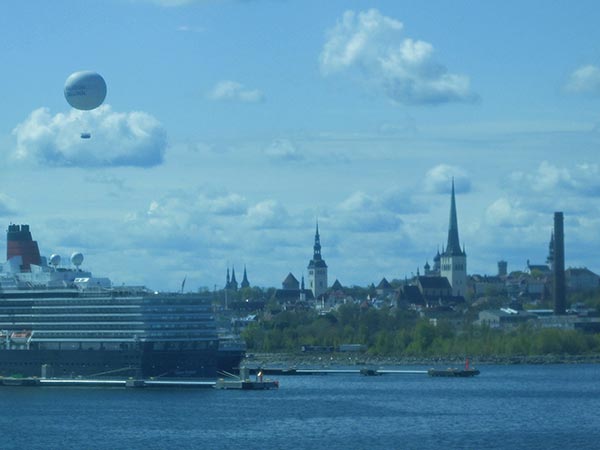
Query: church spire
(233, 284)
(317, 246)
(453, 247)
(317, 268)
(245, 282)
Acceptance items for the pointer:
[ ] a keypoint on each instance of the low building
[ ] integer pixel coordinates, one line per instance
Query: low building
(292, 293)
(581, 280)
(384, 288)
(504, 318)
(486, 285)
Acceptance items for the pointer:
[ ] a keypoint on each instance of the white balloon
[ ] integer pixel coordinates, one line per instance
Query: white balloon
(85, 90)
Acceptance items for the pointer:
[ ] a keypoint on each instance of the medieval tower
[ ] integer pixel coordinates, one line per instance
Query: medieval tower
(317, 269)
(453, 258)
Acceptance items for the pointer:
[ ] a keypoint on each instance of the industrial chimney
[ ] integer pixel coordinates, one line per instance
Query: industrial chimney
(559, 265)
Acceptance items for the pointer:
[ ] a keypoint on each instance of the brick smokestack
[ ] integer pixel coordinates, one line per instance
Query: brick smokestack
(559, 265)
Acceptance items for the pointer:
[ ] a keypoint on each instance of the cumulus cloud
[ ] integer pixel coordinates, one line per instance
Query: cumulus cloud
(267, 214)
(438, 180)
(403, 68)
(228, 90)
(188, 207)
(400, 201)
(117, 139)
(362, 212)
(228, 205)
(6, 208)
(584, 80)
(583, 179)
(505, 213)
(283, 150)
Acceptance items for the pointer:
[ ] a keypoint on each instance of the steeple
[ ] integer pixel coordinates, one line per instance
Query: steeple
(317, 268)
(453, 261)
(453, 246)
(317, 246)
(233, 284)
(245, 282)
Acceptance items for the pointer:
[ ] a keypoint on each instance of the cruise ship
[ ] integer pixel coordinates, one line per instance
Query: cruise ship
(59, 321)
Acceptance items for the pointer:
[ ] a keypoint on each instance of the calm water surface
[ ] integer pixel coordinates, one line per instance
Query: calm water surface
(506, 407)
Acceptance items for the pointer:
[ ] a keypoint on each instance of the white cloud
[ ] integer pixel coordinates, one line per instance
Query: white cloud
(364, 213)
(228, 90)
(267, 214)
(358, 201)
(400, 201)
(117, 139)
(228, 205)
(6, 205)
(284, 150)
(190, 29)
(403, 68)
(505, 213)
(583, 179)
(439, 179)
(585, 80)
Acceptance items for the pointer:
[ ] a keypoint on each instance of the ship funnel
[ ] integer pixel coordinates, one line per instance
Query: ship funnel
(20, 243)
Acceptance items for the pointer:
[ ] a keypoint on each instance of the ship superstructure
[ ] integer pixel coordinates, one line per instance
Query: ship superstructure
(58, 321)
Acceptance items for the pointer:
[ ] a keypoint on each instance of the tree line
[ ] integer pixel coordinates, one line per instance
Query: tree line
(402, 333)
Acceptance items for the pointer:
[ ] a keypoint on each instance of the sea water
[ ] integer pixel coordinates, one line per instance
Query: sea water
(506, 407)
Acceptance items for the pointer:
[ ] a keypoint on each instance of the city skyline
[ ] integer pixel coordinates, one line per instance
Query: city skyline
(230, 126)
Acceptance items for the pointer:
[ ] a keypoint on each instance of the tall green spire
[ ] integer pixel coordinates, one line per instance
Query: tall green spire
(453, 246)
(317, 246)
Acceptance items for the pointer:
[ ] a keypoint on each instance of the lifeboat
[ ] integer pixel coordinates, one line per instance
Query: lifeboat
(20, 337)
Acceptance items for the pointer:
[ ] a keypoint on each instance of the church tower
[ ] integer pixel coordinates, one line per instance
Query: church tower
(317, 269)
(245, 283)
(454, 259)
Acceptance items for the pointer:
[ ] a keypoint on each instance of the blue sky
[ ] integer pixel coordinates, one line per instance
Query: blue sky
(231, 126)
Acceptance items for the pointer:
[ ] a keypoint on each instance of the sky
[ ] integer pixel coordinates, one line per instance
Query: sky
(231, 127)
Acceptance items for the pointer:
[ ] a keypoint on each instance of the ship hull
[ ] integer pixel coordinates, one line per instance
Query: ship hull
(108, 364)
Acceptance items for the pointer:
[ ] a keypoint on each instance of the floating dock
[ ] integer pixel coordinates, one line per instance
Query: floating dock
(259, 385)
(138, 384)
(363, 371)
(452, 372)
(77, 382)
(368, 371)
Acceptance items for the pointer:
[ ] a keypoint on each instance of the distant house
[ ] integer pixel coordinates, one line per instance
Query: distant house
(428, 292)
(484, 284)
(434, 287)
(541, 269)
(519, 284)
(409, 296)
(504, 318)
(336, 293)
(581, 280)
(292, 292)
(384, 288)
